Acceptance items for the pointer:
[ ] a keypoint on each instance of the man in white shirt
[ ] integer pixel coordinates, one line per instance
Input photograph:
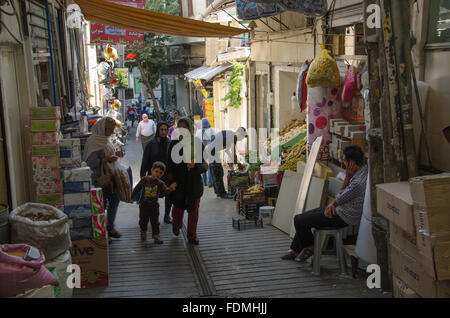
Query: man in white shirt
(146, 130)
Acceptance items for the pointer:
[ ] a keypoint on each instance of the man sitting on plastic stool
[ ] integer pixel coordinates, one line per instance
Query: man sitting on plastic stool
(345, 210)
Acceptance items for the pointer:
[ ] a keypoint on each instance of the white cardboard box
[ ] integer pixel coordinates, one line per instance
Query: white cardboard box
(394, 202)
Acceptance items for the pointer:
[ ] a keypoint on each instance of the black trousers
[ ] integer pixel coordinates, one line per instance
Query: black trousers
(167, 206)
(217, 178)
(305, 222)
(149, 213)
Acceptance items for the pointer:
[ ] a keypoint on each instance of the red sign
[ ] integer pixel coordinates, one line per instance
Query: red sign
(105, 34)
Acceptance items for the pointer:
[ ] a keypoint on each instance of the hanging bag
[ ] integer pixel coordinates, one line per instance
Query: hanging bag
(323, 71)
(105, 181)
(349, 86)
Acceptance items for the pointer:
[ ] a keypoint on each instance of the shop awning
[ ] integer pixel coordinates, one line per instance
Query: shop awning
(142, 20)
(207, 73)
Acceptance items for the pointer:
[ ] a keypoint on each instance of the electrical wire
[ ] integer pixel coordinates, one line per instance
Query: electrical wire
(12, 35)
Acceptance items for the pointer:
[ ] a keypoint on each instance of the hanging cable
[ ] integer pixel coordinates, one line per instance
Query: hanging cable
(10, 33)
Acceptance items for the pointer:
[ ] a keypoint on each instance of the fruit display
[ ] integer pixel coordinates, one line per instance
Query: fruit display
(256, 189)
(293, 156)
(290, 131)
(290, 165)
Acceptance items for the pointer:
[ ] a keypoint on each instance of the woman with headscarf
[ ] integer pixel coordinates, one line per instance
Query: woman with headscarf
(205, 134)
(157, 149)
(98, 150)
(187, 176)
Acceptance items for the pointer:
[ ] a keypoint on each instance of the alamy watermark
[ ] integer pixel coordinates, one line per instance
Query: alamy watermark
(374, 19)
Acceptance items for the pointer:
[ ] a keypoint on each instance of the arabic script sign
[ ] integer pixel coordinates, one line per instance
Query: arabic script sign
(105, 34)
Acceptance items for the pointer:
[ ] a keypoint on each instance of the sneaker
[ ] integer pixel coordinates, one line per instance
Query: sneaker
(157, 239)
(143, 236)
(176, 231)
(194, 241)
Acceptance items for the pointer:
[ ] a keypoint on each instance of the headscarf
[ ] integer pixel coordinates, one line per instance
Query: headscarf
(190, 125)
(98, 141)
(158, 126)
(162, 155)
(205, 123)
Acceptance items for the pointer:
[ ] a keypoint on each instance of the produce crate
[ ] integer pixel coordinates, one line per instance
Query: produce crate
(292, 142)
(236, 180)
(250, 211)
(241, 223)
(245, 197)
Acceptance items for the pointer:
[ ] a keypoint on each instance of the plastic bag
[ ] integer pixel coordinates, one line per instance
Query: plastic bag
(349, 85)
(51, 236)
(323, 71)
(18, 275)
(60, 265)
(121, 181)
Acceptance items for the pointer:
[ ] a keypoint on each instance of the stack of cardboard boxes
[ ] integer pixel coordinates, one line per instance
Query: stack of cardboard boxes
(86, 212)
(45, 135)
(345, 134)
(419, 215)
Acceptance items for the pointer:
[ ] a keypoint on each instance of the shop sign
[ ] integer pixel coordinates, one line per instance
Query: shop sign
(105, 34)
(209, 110)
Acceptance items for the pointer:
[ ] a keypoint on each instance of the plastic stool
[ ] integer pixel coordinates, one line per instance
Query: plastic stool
(319, 233)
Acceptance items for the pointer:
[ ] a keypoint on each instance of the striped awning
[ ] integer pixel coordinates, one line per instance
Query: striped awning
(142, 20)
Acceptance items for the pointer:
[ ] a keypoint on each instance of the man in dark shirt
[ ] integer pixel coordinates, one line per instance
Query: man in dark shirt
(226, 141)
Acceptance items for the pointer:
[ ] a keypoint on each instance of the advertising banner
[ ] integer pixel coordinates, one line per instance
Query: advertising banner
(105, 34)
(122, 74)
(209, 110)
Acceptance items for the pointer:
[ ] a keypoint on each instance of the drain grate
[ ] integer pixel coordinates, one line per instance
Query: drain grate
(202, 277)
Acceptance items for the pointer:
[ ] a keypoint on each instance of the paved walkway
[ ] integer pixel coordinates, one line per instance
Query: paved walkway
(227, 263)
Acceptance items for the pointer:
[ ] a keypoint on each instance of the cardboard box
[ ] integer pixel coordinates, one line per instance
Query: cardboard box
(394, 202)
(412, 273)
(86, 233)
(78, 174)
(401, 290)
(69, 143)
(77, 187)
(45, 150)
(80, 222)
(45, 138)
(93, 258)
(73, 211)
(55, 199)
(45, 176)
(49, 187)
(42, 125)
(430, 195)
(77, 198)
(45, 162)
(408, 244)
(53, 112)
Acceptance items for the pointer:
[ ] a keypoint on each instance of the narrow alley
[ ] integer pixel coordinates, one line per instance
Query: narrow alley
(227, 263)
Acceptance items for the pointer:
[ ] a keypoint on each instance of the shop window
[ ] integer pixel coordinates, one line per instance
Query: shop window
(439, 29)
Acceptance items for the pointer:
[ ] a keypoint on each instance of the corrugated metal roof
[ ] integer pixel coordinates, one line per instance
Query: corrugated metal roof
(207, 73)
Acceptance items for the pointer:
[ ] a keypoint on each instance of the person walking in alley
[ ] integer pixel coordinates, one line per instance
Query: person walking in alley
(99, 150)
(205, 134)
(225, 140)
(187, 176)
(172, 130)
(146, 130)
(152, 188)
(158, 150)
(345, 210)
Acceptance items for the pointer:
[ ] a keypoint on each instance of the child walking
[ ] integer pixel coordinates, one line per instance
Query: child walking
(151, 187)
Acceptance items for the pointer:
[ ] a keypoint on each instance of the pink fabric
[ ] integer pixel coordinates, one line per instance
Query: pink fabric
(18, 276)
(350, 86)
(177, 216)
